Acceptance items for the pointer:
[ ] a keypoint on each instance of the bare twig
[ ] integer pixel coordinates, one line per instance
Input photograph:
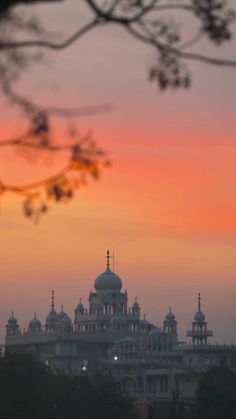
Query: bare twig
(51, 45)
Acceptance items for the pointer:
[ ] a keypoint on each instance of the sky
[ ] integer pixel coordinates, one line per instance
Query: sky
(167, 205)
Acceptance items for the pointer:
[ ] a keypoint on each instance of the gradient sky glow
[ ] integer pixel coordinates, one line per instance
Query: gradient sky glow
(167, 205)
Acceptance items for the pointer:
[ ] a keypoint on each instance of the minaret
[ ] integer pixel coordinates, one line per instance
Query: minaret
(170, 324)
(199, 332)
(12, 326)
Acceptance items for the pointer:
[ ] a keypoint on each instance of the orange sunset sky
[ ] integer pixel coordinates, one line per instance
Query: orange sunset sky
(167, 205)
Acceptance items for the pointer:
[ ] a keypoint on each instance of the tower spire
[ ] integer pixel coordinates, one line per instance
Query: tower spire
(108, 257)
(52, 298)
(199, 301)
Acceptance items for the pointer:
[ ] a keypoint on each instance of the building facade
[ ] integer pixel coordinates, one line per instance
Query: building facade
(110, 337)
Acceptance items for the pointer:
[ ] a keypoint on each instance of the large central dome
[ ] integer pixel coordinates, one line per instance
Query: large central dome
(108, 280)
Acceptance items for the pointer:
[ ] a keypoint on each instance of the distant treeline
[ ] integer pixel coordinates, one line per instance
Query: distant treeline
(28, 389)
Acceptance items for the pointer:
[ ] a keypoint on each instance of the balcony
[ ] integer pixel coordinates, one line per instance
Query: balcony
(199, 333)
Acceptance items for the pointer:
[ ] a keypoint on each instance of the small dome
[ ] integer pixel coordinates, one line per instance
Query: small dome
(199, 316)
(51, 319)
(35, 323)
(66, 321)
(52, 315)
(12, 325)
(12, 320)
(63, 319)
(170, 316)
(61, 314)
(108, 281)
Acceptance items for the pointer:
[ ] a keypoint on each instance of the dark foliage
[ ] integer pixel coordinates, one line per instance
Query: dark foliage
(217, 394)
(28, 389)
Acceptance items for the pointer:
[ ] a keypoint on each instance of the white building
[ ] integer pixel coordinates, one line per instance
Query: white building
(110, 337)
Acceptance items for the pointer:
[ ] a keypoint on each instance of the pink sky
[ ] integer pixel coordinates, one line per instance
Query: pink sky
(167, 205)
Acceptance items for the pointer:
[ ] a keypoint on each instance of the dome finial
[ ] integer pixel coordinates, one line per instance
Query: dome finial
(199, 301)
(52, 298)
(108, 257)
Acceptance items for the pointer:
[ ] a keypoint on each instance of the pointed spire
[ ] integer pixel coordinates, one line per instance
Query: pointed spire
(199, 301)
(108, 257)
(113, 260)
(12, 314)
(169, 309)
(35, 314)
(52, 298)
(62, 307)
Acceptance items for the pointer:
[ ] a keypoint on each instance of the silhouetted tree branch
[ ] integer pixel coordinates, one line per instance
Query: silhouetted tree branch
(51, 45)
(85, 160)
(144, 21)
